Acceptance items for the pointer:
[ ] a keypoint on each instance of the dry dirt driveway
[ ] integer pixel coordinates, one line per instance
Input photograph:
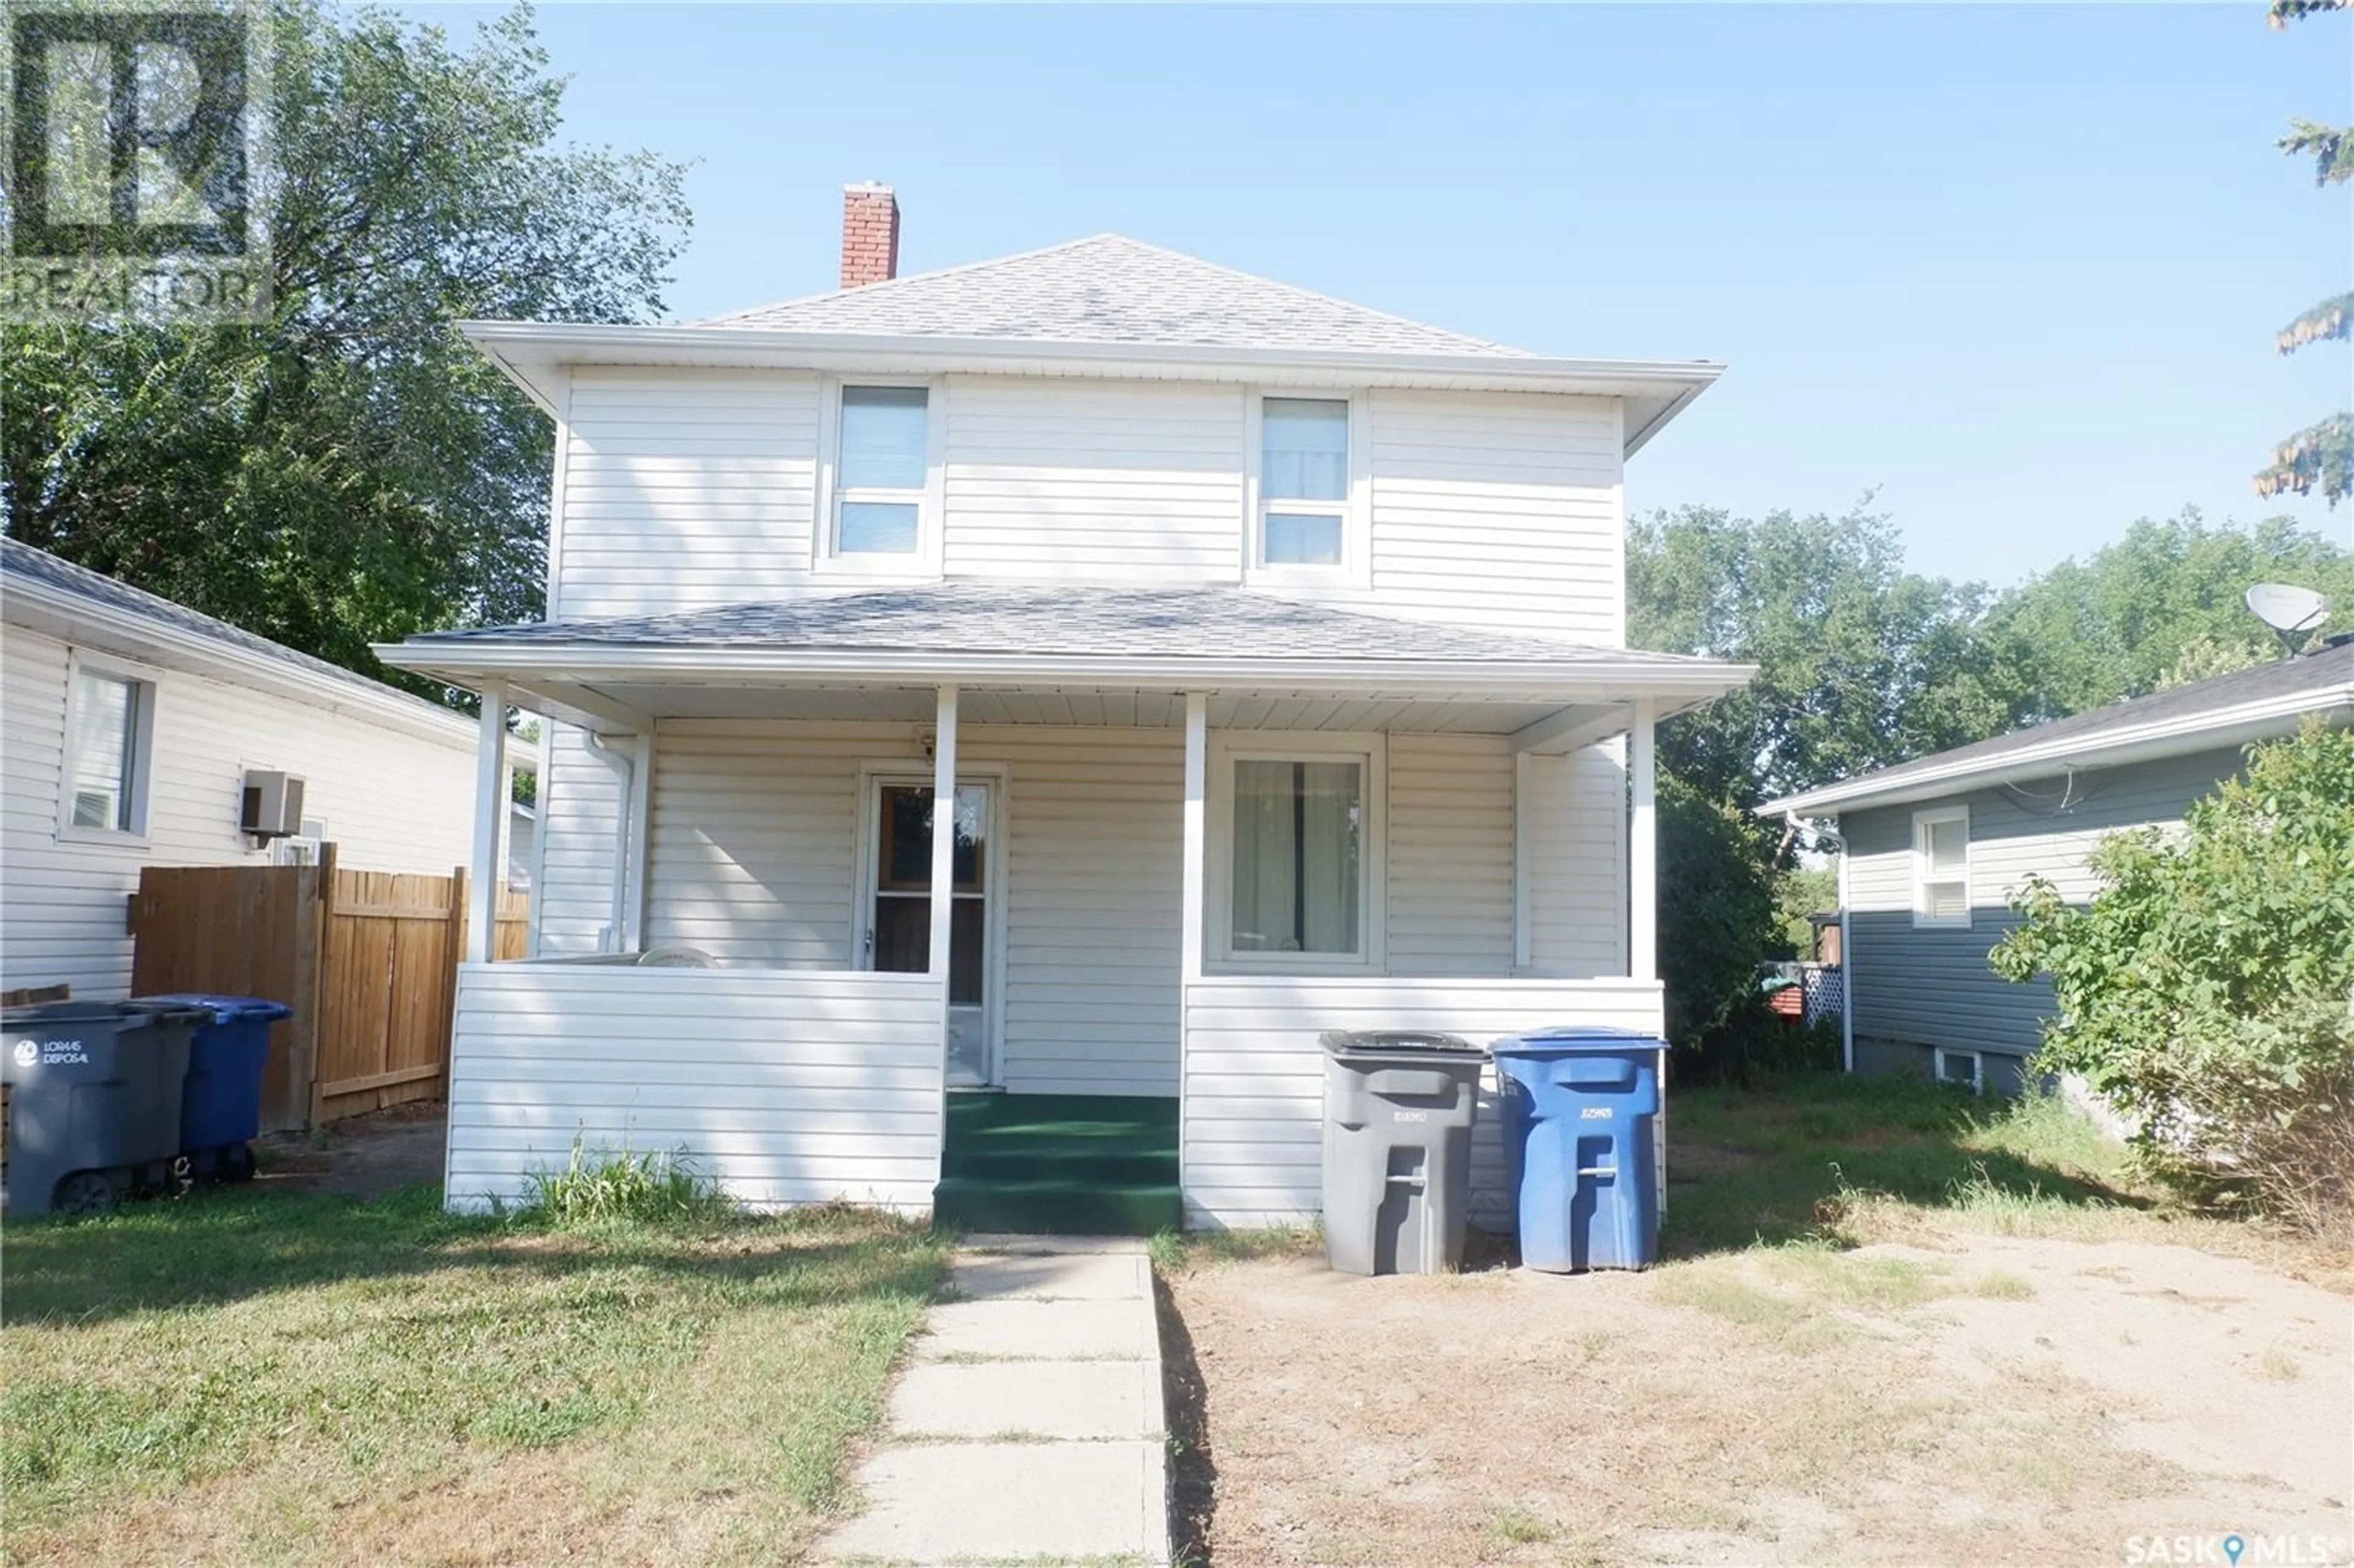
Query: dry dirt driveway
(1987, 1400)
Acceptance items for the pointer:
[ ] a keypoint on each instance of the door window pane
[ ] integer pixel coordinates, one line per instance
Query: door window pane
(1298, 856)
(906, 832)
(882, 438)
(903, 942)
(104, 745)
(1295, 539)
(1305, 455)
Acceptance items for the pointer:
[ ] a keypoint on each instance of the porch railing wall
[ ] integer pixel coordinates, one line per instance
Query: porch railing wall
(1252, 1141)
(782, 1086)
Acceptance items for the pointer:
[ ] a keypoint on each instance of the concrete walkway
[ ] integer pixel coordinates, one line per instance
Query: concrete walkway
(1029, 1428)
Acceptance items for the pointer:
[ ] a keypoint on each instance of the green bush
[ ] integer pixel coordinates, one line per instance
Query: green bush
(2206, 989)
(604, 1185)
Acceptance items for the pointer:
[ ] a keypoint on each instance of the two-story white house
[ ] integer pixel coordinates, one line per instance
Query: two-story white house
(1271, 649)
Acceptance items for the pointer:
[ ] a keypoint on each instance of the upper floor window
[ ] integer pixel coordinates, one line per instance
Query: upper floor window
(1941, 866)
(1299, 869)
(882, 471)
(107, 740)
(1304, 487)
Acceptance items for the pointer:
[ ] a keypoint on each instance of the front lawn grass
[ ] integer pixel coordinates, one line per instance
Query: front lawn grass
(1828, 1159)
(283, 1377)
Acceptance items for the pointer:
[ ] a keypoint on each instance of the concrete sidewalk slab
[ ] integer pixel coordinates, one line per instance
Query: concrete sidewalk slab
(1082, 1401)
(958, 1501)
(1082, 1276)
(1044, 1330)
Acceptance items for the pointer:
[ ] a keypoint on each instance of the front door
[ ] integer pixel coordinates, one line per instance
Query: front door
(898, 936)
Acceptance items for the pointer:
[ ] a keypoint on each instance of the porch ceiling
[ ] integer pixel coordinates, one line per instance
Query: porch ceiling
(1539, 724)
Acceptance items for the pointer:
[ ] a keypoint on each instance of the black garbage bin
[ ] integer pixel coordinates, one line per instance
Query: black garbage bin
(1398, 1110)
(93, 1101)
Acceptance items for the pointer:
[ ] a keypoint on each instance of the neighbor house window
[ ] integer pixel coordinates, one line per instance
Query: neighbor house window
(1963, 1069)
(1303, 482)
(880, 473)
(1941, 866)
(106, 745)
(1300, 856)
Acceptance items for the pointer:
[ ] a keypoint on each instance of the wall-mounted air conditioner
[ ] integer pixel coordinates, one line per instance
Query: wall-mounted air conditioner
(273, 804)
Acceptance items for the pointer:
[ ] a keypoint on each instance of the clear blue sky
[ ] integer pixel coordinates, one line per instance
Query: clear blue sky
(2017, 268)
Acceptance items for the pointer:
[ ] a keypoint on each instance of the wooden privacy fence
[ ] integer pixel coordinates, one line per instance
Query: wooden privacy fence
(367, 960)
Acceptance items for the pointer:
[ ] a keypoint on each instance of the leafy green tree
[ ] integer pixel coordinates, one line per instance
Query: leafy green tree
(2159, 607)
(1716, 915)
(349, 470)
(2207, 987)
(1861, 664)
(2320, 456)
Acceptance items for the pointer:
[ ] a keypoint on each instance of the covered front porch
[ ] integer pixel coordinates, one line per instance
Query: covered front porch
(1164, 875)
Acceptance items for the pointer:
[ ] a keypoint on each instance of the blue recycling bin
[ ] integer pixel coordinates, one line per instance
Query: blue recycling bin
(220, 1110)
(1579, 1110)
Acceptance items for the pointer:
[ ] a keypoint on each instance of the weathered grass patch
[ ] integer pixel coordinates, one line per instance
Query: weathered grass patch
(289, 1374)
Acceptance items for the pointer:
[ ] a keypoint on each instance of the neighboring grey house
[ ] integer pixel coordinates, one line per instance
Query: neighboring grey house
(1937, 847)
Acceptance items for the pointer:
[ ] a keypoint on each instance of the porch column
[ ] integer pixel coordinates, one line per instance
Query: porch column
(1643, 857)
(944, 766)
(490, 810)
(639, 841)
(1197, 779)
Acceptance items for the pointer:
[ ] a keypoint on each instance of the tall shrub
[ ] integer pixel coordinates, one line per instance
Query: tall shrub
(2206, 989)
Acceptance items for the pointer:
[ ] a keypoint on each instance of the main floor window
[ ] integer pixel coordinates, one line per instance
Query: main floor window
(1298, 856)
(1941, 866)
(105, 740)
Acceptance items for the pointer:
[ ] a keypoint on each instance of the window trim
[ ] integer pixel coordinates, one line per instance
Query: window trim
(1372, 923)
(1938, 1055)
(1355, 568)
(925, 560)
(144, 684)
(1923, 822)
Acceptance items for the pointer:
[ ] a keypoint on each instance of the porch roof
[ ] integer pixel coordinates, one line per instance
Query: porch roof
(874, 647)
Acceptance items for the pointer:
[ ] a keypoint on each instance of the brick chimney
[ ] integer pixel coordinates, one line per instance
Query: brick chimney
(870, 234)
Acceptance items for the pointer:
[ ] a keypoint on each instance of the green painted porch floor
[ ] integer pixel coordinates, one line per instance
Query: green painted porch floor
(1061, 1164)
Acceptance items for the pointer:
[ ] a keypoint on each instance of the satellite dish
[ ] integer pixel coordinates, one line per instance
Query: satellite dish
(2289, 610)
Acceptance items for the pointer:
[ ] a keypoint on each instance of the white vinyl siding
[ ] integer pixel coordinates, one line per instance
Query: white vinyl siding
(583, 795)
(1252, 1141)
(783, 1089)
(754, 828)
(395, 802)
(1449, 905)
(1498, 511)
(684, 491)
(1932, 986)
(1093, 480)
(1576, 860)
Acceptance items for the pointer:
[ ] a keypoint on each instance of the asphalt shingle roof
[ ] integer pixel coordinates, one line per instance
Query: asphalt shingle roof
(20, 561)
(1108, 289)
(993, 619)
(2325, 674)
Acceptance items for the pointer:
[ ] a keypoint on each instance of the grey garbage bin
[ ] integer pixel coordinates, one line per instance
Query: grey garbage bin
(1398, 1108)
(94, 1100)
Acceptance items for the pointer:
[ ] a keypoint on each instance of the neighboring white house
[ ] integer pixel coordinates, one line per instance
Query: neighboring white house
(1272, 649)
(1937, 847)
(131, 729)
